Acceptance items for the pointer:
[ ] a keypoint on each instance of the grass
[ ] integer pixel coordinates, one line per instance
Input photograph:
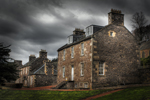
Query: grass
(46, 94)
(138, 93)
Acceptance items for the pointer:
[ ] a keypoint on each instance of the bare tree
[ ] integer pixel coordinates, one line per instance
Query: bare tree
(138, 22)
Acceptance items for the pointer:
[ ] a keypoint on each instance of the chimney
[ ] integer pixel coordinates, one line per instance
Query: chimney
(31, 58)
(79, 31)
(115, 17)
(18, 62)
(43, 54)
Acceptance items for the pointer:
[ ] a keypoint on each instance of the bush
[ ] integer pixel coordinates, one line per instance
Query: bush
(145, 61)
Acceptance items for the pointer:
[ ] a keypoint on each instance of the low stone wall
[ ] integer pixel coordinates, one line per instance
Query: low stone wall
(123, 86)
(144, 75)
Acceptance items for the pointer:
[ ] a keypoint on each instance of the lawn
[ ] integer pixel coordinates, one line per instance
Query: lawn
(46, 94)
(139, 93)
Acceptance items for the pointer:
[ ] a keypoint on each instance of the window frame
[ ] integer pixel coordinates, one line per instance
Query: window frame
(72, 52)
(82, 69)
(82, 49)
(63, 72)
(111, 34)
(101, 67)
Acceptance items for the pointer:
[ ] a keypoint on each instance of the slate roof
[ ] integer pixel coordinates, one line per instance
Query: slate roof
(145, 45)
(89, 37)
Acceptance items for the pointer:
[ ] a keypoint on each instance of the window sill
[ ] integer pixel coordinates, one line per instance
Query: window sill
(81, 75)
(82, 55)
(102, 75)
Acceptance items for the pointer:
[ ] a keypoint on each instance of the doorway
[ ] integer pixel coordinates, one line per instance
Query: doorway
(72, 72)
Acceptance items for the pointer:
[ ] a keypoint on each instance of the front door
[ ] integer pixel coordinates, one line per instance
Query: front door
(72, 72)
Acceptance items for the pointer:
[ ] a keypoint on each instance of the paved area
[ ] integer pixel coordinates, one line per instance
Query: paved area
(100, 95)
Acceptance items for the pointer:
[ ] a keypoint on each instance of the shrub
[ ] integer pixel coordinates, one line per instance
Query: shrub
(145, 61)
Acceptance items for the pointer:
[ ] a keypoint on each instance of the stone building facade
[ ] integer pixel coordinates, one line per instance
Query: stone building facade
(38, 71)
(145, 49)
(108, 57)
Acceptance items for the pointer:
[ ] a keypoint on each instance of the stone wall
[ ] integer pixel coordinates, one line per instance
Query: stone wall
(46, 79)
(76, 62)
(120, 55)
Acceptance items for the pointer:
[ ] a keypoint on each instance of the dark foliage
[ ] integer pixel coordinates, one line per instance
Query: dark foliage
(8, 70)
(54, 60)
(138, 22)
(145, 61)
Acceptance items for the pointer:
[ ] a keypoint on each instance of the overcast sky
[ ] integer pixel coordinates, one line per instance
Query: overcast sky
(32, 25)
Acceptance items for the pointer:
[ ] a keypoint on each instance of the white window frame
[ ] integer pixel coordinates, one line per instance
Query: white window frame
(63, 72)
(72, 52)
(64, 52)
(101, 66)
(82, 49)
(82, 69)
(85, 85)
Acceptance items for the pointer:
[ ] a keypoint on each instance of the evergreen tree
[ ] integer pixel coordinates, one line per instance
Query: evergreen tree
(8, 70)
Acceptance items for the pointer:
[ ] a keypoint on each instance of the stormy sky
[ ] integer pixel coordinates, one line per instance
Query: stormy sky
(32, 25)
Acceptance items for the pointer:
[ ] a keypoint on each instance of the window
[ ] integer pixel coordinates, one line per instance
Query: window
(143, 54)
(64, 55)
(31, 80)
(111, 33)
(76, 85)
(101, 68)
(26, 70)
(85, 85)
(82, 48)
(63, 72)
(82, 69)
(72, 52)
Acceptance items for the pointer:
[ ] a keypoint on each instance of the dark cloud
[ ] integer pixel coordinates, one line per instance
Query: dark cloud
(31, 25)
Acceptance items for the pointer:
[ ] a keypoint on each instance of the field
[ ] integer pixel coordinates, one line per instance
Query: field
(46, 94)
(138, 93)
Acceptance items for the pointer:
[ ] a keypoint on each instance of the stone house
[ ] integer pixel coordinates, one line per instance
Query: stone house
(103, 56)
(145, 49)
(38, 71)
(145, 70)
